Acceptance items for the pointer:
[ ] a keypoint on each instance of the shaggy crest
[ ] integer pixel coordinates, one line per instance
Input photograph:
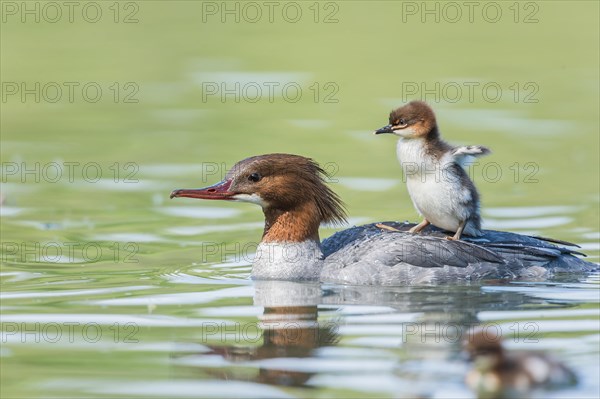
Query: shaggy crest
(289, 181)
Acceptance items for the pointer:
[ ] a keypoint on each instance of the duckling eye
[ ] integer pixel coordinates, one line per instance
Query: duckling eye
(254, 177)
(402, 122)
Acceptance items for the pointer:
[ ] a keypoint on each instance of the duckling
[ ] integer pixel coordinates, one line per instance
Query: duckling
(437, 182)
(501, 373)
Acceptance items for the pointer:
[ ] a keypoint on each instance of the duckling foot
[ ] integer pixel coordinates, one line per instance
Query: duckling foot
(386, 227)
(419, 227)
(456, 236)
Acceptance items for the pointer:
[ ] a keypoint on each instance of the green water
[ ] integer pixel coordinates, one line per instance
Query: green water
(109, 289)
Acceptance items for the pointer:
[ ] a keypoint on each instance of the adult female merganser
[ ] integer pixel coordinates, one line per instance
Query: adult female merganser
(295, 200)
(437, 183)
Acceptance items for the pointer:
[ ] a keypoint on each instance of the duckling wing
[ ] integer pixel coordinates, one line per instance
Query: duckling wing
(465, 155)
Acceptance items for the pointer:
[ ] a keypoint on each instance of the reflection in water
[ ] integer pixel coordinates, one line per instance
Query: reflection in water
(290, 330)
(420, 328)
(287, 332)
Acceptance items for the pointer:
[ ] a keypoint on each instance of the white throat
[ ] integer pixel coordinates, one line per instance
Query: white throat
(288, 261)
(411, 154)
(251, 198)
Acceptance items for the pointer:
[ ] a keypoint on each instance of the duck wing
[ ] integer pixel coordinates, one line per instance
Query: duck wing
(392, 248)
(430, 249)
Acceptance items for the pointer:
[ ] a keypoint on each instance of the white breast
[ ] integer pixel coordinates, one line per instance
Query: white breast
(288, 261)
(436, 193)
(410, 152)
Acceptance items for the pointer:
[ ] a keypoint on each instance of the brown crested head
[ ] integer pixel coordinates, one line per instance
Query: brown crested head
(278, 183)
(285, 182)
(413, 120)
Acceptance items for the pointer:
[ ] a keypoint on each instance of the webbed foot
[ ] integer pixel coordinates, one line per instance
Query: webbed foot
(386, 227)
(419, 227)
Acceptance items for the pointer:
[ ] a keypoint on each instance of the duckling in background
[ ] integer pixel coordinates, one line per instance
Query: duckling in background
(437, 182)
(498, 373)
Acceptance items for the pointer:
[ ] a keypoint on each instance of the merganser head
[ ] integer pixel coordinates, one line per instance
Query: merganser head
(413, 120)
(283, 185)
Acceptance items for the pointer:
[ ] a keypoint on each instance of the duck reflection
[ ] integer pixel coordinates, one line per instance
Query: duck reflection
(289, 327)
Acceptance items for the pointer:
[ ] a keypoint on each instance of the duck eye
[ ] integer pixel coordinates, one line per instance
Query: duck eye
(402, 122)
(254, 177)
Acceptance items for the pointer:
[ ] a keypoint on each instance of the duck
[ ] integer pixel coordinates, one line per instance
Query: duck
(295, 200)
(438, 184)
(498, 372)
